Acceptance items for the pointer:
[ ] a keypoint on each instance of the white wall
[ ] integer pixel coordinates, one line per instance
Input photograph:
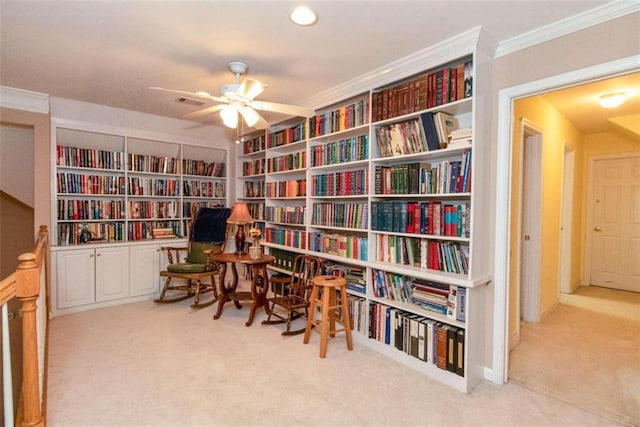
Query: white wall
(16, 162)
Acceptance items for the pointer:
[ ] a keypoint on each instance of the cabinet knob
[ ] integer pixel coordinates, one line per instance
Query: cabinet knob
(91, 256)
(597, 229)
(98, 254)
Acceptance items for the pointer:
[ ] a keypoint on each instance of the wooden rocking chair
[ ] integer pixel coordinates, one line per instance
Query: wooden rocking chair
(208, 234)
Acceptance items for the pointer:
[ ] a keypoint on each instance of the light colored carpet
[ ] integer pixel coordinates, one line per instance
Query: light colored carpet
(586, 353)
(147, 364)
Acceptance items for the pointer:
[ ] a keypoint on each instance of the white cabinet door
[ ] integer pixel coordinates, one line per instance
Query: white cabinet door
(112, 273)
(144, 267)
(75, 273)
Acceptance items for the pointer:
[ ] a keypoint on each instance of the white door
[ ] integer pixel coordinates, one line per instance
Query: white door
(615, 225)
(112, 273)
(530, 238)
(144, 263)
(75, 272)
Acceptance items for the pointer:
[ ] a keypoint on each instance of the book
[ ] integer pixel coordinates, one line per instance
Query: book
(460, 352)
(441, 334)
(452, 349)
(445, 124)
(429, 131)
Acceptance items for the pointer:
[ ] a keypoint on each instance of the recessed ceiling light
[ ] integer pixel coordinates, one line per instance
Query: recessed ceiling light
(302, 15)
(612, 100)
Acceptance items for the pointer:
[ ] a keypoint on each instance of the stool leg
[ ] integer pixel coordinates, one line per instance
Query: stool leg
(311, 314)
(332, 311)
(324, 325)
(345, 315)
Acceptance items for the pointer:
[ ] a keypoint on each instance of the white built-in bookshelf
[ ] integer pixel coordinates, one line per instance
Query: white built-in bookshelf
(373, 186)
(118, 197)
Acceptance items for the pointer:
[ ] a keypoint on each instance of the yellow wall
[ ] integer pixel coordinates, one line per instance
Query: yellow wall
(558, 132)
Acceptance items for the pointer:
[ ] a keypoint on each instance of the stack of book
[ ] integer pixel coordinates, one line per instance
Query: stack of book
(163, 233)
(460, 138)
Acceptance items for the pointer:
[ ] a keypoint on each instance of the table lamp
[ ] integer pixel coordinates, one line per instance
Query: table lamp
(240, 216)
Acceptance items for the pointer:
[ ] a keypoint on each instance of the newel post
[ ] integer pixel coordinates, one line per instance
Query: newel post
(27, 291)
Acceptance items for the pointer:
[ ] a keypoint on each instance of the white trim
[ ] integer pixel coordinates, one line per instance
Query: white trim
(531, 181)
(568, 171)
(500, 350)
(26, 100)
(567, 25)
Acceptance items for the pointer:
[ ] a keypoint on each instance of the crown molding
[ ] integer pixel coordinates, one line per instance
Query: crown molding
(441, 53)
(20, 99)
(568, 25)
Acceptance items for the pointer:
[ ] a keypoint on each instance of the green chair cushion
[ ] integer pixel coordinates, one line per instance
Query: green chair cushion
(196, 254)
(184, 267)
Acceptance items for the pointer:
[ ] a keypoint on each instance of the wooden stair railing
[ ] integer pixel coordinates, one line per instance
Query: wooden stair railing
(25, 284)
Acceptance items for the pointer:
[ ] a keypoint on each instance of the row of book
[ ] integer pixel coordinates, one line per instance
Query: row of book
(254, 188)
(253, 167)
(144, 230)
(358, 315)
(285, 214)
(355, 275)
(339, 119)
(433, 217)
(286, 136)
(153, 209)
(152, 164)
(347, 183)
(257, 210)
(69, 234)
(188, 206)
(446, 177)
(202, 168)
(73, 183)
(450, 257)
(286, 237)
(283, 258)
(428, 132)
(292, 188)
(153, 187)
(254, 145)
(346, 246)
(203, 189)
(345, 150)
(345, 215)
(90, 209)
(432, 89)
(287, 162)
(89, 158)
(433, 342)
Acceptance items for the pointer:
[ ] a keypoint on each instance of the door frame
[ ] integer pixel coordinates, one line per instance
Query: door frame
(568, 171)
(530, 158)
(589, 214)
(498, 373)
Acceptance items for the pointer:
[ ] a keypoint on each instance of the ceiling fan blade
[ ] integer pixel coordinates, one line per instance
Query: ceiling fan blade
(250, 88)
(252, 118)
(200, 94)
(204, 111)
(283, 108)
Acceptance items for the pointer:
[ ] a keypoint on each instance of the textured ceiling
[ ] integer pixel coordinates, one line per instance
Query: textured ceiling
(110, 53)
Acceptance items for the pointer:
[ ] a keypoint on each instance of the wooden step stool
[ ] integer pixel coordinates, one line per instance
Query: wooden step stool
(330, 286)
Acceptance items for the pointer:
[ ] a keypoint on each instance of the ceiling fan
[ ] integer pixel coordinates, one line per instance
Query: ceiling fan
(238, 98)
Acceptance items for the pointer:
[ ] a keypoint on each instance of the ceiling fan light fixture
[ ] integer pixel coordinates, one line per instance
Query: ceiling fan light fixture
(229, 116)
(612, 100)
(303, 15)
(250, 115)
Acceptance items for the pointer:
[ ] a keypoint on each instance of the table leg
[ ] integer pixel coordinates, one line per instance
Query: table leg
(258, 294)
(225, 291)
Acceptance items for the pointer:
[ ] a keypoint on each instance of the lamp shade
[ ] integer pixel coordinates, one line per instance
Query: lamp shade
(240, 214)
